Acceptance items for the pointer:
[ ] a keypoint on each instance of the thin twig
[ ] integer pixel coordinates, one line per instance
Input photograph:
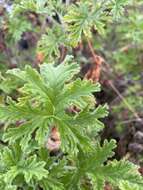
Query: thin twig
(125, 101)
(130, 121)
(91, 49)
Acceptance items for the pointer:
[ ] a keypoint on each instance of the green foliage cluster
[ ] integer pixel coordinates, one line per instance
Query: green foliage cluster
(44, 96)
(42, 103)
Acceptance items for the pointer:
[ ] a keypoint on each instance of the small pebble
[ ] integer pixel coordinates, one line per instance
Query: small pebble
(138, 137)
(135, 148)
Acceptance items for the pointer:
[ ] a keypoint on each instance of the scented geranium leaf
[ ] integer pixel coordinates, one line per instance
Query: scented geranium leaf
(17, 73)
(90, 118)
(79, 21)
(34, 87)
(37, 88)
(31, 118)
(96, 183)
(10, 175)
(41, 133)
(81, 88)
(128, 186)
(101, 111)
(103, 153)
(118, 172)
(35, 82)
(32, 168)
(56, 171)
(53, 180)
(76, 91)
(115, 172)
(118, 8)
(14, 134)
(10, 112)
(9, 160)
(23, 133)
(56, 77)
(26, 111)
(9, 83)
(95, 123)
(73, 181)
(82, 17)
(83, 141)
(17, 163)
(72, 136)
(97, 158)
(51, 183)
(50, 48)
(10, 156)
(68, 139)
(59, 169)
(88, 164)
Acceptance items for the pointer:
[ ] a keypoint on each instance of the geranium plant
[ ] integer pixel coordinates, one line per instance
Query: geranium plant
(44, 103)
(50, 127)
